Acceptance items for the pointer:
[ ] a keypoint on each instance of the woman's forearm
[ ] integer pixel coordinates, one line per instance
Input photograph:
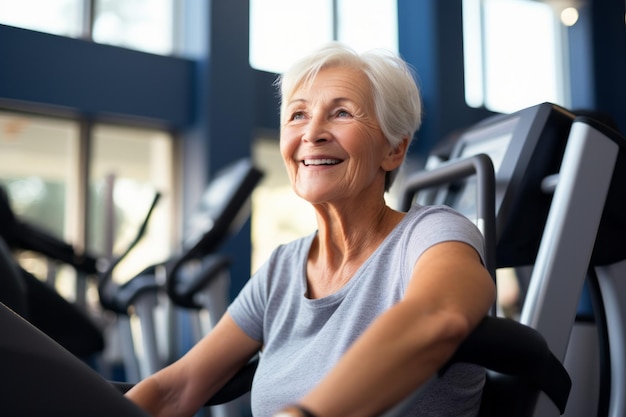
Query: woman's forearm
(387, 364)
(449, 294)
(183, 387)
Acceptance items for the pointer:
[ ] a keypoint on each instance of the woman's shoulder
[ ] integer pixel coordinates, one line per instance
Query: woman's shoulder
(439, 220)
(289, 253)
(418, 212)
(295, 245)
(439, 223)
(417, 209)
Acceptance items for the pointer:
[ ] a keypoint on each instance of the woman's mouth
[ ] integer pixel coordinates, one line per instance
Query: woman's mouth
(321, 161)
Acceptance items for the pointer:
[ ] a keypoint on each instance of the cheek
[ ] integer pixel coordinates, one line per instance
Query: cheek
(372, 145)
(287, 149)
(282, 148)
(285, 144)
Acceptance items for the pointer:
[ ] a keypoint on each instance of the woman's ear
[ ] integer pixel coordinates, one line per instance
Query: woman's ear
(396, 155)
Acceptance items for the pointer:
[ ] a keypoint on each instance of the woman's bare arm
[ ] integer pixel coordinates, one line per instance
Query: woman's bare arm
(449, 293)
(183, 387)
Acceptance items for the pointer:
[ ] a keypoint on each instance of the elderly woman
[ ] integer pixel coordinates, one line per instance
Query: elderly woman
(354, 317)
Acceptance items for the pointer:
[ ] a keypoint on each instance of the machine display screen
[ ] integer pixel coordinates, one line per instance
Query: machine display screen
(492, 141)
(494, 147)
(525, 147)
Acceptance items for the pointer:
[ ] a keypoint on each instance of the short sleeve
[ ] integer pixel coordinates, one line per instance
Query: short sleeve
(247, 309)
(437, 224)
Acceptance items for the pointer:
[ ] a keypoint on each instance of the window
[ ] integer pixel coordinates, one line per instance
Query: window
(357, 18)
(513, 55)
(144, 25)
(40, 160)
(38, 163)
(60, 17)
(130, 165)
(281, 31)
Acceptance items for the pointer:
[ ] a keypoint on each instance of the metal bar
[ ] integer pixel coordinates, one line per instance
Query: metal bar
(482, 167)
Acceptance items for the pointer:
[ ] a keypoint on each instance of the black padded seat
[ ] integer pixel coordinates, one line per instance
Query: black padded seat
(519, 366)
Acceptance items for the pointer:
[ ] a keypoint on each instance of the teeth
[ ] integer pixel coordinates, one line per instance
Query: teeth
(321, 161)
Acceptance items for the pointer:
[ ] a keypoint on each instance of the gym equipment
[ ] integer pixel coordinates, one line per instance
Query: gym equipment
(12, 288)
(583, 232)
(23, 235)
(508, 390)
(560, 199)
(196, 278)
(65, 322)
(524, 147)
(37, 301)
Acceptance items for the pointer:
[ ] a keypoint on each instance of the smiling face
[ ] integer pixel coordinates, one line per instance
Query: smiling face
(331, 142)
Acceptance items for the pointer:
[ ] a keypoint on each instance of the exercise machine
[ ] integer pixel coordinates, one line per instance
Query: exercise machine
(559, 201)
(36, 300)
(222, 210)
(192, 286)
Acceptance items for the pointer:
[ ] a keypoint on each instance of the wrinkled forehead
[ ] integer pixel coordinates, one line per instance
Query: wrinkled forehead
(347, 81)
(307, 78)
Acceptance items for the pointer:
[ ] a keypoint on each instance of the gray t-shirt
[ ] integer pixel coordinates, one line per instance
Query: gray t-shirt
(304, 338)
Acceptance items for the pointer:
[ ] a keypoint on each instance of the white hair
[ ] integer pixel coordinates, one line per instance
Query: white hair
(395, 94)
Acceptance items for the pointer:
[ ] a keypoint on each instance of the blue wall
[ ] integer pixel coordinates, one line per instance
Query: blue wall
(93, 80)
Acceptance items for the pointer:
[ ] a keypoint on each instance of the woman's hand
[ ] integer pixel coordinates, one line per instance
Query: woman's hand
(182, 388)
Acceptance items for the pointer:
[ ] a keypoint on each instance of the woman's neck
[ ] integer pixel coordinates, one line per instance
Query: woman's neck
(344, 241)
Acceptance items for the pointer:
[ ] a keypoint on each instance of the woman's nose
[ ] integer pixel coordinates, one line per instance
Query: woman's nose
(316, 132)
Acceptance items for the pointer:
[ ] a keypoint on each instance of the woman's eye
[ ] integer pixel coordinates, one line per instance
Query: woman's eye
(297, 115)
(343, 113)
